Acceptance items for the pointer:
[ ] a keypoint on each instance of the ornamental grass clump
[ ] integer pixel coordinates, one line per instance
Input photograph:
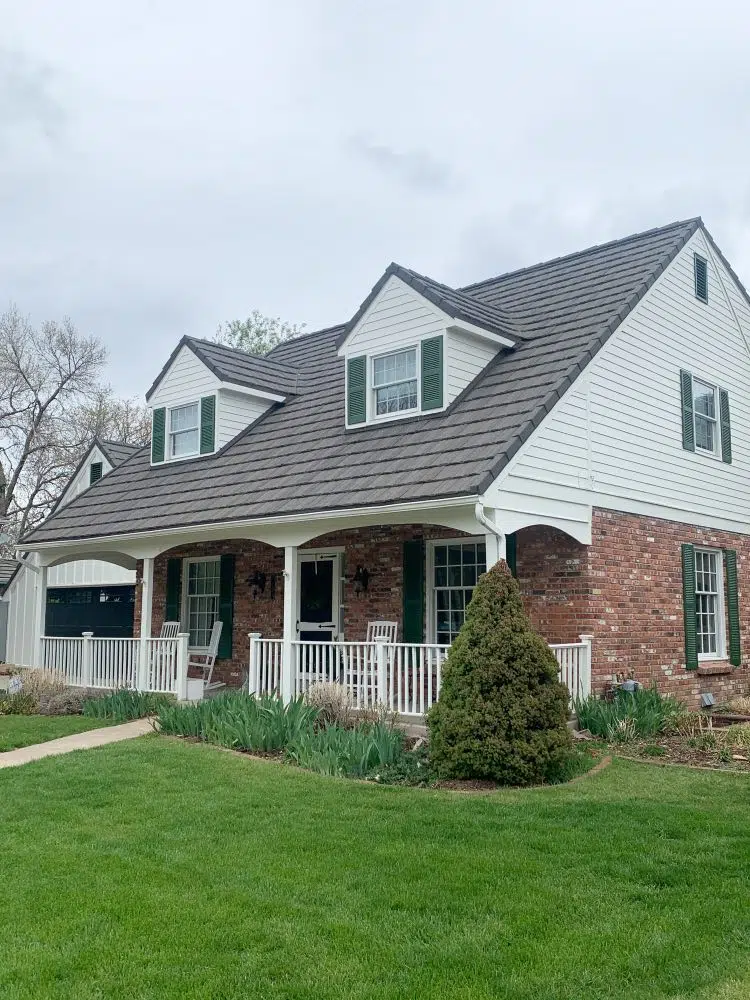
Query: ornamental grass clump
(502, 713)
(350, 753)
(124, 704)
(630, 715)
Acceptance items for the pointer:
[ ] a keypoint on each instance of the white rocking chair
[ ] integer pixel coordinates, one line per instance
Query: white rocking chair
(205, 661)
(382, 631)
(169, 630)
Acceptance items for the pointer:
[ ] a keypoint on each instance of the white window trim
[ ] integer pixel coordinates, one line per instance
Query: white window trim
(184, 610)
(431, 631)
(721, 625)
(373, 389)
(716, 452)
(168, 432)
(370, 416)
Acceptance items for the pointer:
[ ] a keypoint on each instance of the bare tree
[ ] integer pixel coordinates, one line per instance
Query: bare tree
(52, 402)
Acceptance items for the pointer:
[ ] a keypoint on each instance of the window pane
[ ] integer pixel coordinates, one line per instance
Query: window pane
(396, 398)
(395, 367)
(705, 433)
(454, 576)
(184, 443)
(441, 576)
(441, 555)
(454, 555)
(183, 418)
(704, 399)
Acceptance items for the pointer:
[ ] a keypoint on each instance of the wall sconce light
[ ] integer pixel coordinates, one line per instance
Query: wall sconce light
(361, 580)
(257, 584)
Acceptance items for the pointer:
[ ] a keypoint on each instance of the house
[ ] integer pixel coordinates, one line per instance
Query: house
(81, 594)
(586, 419)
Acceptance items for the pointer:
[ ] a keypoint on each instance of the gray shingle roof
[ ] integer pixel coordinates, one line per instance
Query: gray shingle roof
(7, 569)
(453, 301)
(299, 457)
(239, 367)
(116, 452)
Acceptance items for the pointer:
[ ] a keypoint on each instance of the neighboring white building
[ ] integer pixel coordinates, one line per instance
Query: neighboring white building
(73, 587)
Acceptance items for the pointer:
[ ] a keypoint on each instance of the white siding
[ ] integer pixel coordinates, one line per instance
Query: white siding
(398, 317)
(82, 481)
(615, 439)
(21, 599)
(185, 382)
(235, 412)
(466, 357)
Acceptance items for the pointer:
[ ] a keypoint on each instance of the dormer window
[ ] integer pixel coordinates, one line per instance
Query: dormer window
(394, 380)
(184, 430)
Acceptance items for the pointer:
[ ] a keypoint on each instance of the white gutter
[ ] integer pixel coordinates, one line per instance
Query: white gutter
(258, 522)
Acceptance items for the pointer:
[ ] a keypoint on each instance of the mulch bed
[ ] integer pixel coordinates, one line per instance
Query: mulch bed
(677, 750)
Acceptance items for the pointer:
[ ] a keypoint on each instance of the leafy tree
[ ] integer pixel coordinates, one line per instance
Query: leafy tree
(52, 403)
(258, 334)
(502, 713)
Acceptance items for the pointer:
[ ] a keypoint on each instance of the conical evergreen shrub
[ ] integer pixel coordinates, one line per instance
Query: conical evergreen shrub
(502, 713)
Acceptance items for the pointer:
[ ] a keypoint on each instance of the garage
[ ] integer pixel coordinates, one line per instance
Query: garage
(106, 611)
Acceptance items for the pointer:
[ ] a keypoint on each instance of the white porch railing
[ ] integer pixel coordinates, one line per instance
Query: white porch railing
(575, 666)
(158, 665)
(405, 677)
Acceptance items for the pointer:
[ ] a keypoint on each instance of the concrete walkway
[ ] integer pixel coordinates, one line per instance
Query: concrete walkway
(78, 741)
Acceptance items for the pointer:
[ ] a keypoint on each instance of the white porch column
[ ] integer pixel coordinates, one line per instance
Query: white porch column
(290, 621)
(40, 614)
(147, 605)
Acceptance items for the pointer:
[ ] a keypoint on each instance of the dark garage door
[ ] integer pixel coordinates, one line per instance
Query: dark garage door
(105, 611)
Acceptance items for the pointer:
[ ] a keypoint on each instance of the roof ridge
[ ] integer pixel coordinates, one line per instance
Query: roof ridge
(695, 221)
(226, 347)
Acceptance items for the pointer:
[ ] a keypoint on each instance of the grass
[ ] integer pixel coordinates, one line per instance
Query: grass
(24, 730)
(164, 869)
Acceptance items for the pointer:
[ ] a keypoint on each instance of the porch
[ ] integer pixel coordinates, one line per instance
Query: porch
(297, 614)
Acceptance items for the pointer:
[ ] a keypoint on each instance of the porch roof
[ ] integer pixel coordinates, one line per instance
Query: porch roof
(298, 457)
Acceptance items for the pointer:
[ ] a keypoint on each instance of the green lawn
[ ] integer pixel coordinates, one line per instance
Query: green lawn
(159, 869)
(23, 730)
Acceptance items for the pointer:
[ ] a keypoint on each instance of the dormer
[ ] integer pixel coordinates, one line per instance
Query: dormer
(414, 345)
(101, 458)
(207, 394)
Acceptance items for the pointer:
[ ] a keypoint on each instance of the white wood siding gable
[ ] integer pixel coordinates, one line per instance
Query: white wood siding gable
(235, 412)
(82, 480)
(399, 317)
(615, 439)
(466, 356)
(186, 380)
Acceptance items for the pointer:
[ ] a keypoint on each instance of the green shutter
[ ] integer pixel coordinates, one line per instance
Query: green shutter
(700, 266)
(726, 430)
(688, 427)
(208, 424)
(413, 584)
(733, 608)
(688, 603)
(158, 425)
(95, 473)
(432, 373)
(173, 607)
(511, 549)
(226, 605)
(356, 390)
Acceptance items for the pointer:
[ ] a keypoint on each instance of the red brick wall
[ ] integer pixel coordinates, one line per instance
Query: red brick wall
(626, 590)
(379, 549)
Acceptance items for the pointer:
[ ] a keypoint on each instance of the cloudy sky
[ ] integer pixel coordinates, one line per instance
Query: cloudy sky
(169, 164)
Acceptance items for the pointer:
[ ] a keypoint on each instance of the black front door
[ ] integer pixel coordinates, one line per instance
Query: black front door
(316, 603)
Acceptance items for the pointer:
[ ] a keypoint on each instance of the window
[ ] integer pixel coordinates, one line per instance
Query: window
(700, 270)
(95, 473)
(456, 568)
(394, 380)
(184, 430)
(709, 604)
(704, 413)
(201, 599)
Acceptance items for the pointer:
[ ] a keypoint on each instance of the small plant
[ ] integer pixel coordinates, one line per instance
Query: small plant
(347, 752)
(630, 714)
(740, 705)
(411, 768)
(653, 750)
(333, 703)
(123, 705)
(725, 755)
(20, 703)
(67, 702)
(240, 721)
